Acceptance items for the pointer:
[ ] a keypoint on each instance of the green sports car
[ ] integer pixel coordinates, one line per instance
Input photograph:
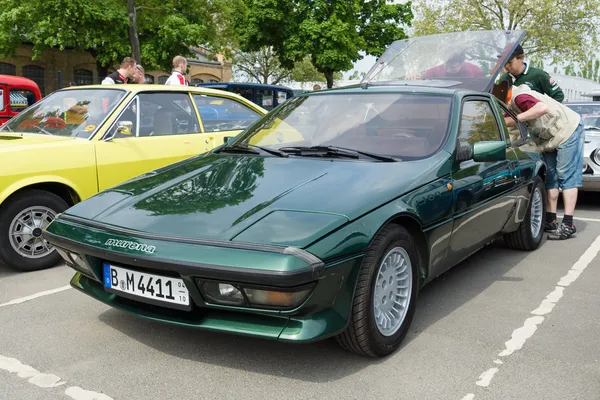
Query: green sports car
(327, 216)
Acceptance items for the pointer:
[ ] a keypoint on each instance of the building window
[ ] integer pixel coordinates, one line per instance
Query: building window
(8, 69)
(213, 81)
(163, 79)
(83, 77)
(148, 79)
(36, 74)
(197, 80)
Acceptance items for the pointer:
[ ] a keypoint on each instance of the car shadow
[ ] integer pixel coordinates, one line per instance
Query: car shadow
(5, 271)
(437, 300)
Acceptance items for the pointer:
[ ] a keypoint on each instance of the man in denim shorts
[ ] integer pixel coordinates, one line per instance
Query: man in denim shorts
(558, 134)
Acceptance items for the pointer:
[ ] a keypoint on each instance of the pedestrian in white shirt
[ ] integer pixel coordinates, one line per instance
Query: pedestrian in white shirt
(179, 68)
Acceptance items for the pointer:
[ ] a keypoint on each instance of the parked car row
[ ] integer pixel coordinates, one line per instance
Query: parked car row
(322, 218)
(590, 112)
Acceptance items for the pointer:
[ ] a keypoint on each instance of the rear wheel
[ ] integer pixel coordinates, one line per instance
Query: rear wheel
(385, 297)
(531, 230)
(22, 220)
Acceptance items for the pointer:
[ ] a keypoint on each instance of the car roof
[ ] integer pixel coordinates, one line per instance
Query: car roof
(394, 88)
(151, 87)
(245, 84)
(483, 52)
(16, 80)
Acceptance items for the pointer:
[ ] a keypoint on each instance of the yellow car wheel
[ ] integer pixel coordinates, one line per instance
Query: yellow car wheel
(22, 220)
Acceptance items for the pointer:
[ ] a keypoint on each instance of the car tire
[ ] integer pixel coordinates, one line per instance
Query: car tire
(364, 335)
(524, 238)
(37, 209)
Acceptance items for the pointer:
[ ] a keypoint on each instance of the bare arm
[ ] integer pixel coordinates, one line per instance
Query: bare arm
(534, 112)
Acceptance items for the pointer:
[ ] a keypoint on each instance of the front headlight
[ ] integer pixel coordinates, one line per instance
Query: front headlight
(76, 262)
(224, 293)
(596, 156)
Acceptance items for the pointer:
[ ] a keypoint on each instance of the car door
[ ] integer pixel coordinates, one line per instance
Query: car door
(165, 130)
(482, 200)
(221, 117)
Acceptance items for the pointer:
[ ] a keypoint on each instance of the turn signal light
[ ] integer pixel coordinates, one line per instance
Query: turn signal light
(250, 296)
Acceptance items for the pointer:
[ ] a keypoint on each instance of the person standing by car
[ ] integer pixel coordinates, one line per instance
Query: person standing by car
(558, 134)
(519, 73)
(125, 71)
(139, 75)
(179, 69)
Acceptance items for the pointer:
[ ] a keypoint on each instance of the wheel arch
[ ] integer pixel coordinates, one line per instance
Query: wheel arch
(62, 189)
(413, 225)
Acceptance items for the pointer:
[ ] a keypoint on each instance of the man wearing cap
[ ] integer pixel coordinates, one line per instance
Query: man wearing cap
(558, 134)
(519, 73)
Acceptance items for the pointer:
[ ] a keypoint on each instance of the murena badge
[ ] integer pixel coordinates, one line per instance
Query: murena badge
(127, 244)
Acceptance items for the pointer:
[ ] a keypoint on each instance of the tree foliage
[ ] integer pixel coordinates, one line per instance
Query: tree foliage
(261, 66)
(165, 28)
(331, 32)
(589, 70)
(556, 30)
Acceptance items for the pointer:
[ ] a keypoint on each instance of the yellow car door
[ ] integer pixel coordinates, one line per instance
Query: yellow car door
(154, 130)
(222, 116)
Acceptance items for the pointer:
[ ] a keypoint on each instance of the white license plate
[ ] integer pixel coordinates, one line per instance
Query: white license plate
(142, 284)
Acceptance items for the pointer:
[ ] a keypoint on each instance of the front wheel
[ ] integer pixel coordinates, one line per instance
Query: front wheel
(22, 220)
(530, 233)
(385, 296)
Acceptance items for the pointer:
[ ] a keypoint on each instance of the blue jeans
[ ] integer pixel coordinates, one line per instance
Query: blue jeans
(565, 163)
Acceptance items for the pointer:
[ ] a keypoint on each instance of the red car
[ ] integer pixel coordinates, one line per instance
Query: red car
(16, 94)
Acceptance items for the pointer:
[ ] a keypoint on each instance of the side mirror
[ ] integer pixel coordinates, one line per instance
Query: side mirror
(123, 128)
(489, 151)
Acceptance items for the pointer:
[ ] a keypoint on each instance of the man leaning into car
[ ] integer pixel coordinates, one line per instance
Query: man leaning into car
(520, 72)
(558, 134)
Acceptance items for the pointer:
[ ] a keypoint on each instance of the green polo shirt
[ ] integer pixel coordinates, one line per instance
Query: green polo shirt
(537, 80)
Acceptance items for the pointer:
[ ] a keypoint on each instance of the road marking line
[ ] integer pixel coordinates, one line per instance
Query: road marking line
(486, 377)
(582, 218)
(48, 381)
(78, 393)
(15, 366)
(531, 324)
(35, 296)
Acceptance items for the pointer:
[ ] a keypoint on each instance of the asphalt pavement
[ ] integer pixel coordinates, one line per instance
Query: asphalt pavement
(502, 325)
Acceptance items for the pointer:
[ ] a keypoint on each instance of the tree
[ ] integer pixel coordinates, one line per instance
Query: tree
(304, 71)
(555, 30)
(88, 25)
(113, 29)
(589, 70)
(261, 66)
(332, 33)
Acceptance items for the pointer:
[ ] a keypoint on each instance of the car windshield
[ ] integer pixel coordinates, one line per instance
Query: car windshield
(590, 114)
(470, 60)
(75, 113)
(403, 125)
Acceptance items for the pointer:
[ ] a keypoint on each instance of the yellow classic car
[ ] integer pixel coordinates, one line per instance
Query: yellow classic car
(81, 140)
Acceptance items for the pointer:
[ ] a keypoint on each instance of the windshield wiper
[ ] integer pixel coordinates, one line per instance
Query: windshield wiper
(334, 151)
(591, 127)
(242, 149)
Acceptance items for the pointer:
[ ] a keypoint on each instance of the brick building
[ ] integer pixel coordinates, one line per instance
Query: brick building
(80, 67)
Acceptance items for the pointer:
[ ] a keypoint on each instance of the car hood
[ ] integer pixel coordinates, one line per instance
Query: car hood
(25, 141)
(287, 201)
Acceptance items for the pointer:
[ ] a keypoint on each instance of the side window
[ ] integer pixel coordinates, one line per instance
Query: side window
(478, 123)
(511, 134)
(222, 114)
(167, 113)
(20, 99)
